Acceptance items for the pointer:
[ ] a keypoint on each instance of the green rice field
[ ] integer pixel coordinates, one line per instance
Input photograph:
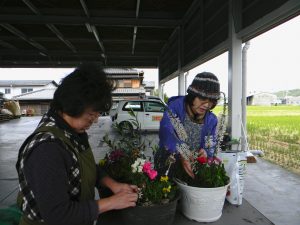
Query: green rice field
(276, 131)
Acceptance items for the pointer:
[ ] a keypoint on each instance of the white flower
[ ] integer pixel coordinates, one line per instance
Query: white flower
(137, 166)
(140, 193)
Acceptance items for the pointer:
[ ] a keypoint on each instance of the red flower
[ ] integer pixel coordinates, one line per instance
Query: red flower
(202, 160)
(116, 155)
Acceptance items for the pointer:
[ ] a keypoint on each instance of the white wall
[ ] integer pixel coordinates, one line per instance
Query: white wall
(17, 90)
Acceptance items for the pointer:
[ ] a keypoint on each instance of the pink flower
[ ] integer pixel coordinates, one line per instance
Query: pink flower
(217, 160)
(210, 161)
(152, 174)
(147, 167)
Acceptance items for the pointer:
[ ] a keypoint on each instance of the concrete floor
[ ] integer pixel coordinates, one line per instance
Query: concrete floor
(271, 194)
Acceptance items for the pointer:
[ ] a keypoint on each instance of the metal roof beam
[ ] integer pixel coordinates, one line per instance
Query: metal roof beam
(86, 40)
(137, 10)
(61, 37)
(32, 7)
(80, 20)
(7, 45)
(93, 29)
(50, 26)
(19, 52)
(285, 12)
(20, 34)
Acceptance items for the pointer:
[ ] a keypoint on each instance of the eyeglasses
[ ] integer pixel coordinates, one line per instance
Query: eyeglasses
(200, 101)
(91, 115)
(94, 115)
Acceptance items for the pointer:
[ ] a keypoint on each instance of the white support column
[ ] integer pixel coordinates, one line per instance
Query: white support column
(244, 143)
(234, 82)
(161, 90)
(185, 81)
(181, 86)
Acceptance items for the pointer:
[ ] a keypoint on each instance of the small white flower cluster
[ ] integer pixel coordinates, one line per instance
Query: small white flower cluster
(140, 193)
(178, 126)
(137, 166)
(209, 141)
(221, 126)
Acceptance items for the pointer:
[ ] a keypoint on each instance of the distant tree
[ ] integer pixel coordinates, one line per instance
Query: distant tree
(156, 93)
(293, 92)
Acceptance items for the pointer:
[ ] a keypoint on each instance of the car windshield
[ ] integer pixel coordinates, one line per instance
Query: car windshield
(135, 106)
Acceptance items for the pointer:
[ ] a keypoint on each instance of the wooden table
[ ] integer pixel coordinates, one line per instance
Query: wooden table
(244, 214)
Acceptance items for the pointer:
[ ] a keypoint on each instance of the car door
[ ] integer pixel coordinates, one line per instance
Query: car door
(153, 112)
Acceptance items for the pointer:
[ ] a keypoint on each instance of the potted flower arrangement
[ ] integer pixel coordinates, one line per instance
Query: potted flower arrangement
(203, 196)
(126, 162)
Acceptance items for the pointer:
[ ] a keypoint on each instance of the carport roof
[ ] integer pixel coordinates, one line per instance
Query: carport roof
(169, 34)
(23, 83)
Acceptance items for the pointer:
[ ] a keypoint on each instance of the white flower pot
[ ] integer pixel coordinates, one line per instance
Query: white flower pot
(202, 204)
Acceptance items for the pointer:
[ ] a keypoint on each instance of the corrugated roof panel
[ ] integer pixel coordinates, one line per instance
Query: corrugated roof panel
(129, 91)
(43, 94)
(14, 83)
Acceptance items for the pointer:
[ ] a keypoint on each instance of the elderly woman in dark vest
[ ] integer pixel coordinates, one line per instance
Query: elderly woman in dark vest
(56, 168)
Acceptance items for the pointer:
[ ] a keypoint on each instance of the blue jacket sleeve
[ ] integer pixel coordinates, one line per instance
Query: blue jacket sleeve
(167, 135)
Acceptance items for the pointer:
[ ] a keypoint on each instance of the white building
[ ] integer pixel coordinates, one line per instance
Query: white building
(262, 98)
(13, 88)
(292, 100)
(149, 87)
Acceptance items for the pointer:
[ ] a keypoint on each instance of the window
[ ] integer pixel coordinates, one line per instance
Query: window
(7, 91)
(154, 107)
(127, 83)
(135, 83)
(135, 106)
(25, 90)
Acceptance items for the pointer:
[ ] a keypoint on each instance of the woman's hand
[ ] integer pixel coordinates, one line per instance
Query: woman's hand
(202, 153)
(121, 200)
(125, 195)
(117, 187)
(186, 164)
(122, 187)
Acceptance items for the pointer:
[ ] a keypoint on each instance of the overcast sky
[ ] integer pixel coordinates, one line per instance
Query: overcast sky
(273, 64)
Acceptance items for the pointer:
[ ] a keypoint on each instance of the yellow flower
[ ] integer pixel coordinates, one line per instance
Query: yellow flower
(164, 178)
(102, 162)
(167, 189)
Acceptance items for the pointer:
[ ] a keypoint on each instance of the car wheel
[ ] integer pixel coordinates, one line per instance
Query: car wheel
(126, 127)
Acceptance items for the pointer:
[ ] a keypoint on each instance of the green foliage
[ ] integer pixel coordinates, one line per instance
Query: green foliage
(209, 173)
(276, 131)
(282, 94)
(156, 93)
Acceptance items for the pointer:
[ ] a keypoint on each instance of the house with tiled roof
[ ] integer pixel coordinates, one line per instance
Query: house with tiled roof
(37, 94)
(149, 87)
(34, 95)
(129, 83)
(12, 88)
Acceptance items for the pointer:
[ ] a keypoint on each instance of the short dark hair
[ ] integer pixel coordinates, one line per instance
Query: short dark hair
(86, 87)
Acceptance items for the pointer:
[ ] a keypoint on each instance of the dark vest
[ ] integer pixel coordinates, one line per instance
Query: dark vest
(86, 162)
